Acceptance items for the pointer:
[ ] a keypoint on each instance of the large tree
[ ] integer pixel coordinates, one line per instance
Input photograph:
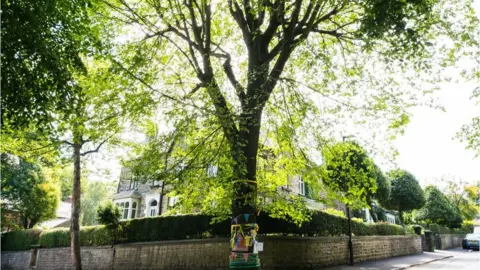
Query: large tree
(235, 61)
(41, 45)
(26, 190)
(406, 194)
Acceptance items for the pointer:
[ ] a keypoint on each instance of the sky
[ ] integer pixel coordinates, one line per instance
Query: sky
(428, 148)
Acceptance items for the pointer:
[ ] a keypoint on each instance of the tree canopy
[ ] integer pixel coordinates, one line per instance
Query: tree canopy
(26, 191)
(42, 44)
(438, 209)
(350, 172)
(287, 70)
(406, 193)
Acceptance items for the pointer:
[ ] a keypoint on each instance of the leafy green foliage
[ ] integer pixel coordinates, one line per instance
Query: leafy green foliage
(383, 186)
(463, 196)
(438, 209)
(95, 194)
(436, 228)
(27, 191)
(296, 71)
(406, 194)
(201, 226)
(89, 236)
(108, 214)
(42, 43)
(349, 171)
(21, 239)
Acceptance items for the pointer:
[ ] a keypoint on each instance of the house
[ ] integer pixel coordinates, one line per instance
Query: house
(136, 199)
(389, 216)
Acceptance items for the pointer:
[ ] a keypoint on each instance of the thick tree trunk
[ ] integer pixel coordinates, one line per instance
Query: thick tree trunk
(244, 226)
(75, 222)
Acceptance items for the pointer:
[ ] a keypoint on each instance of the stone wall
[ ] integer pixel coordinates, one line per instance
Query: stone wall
(446, 241)
(279, 253)
(16, 259)
(60, 258)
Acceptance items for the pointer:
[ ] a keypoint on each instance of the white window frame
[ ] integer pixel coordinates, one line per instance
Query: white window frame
(172, 201)
(212, 170)
(301, 186)
(152, 210)
(134, 210)
(121, 204)
(133, 184)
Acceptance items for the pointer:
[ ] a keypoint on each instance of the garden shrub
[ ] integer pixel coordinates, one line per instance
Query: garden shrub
(334, 212)
(108, 214)
(21, 239)
(89, 236)
(58, 237)
(435, 228)
(200, 226)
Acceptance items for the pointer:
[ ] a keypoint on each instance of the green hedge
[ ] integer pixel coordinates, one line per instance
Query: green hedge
(199, 226)
(89, 236)
(466, 228)
(20, 240)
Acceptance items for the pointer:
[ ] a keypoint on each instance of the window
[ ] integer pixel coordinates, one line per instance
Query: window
(212, 170)
(301, 187)
(172, 201)
(133, 184)
(125, 210)
(134, 209)
(153, 208)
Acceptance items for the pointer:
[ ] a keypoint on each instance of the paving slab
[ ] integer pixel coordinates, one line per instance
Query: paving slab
(401, 262)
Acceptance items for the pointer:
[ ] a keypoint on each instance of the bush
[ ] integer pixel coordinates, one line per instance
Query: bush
(334, 212)
(108, 214)
(384, 228)
(466, 228)
(20, 240)
(59, 237)
(89, 236)
(200, 226)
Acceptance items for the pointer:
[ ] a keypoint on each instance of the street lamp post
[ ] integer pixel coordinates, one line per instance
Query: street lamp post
(350, 243)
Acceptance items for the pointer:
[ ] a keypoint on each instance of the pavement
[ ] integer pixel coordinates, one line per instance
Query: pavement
(451, 259)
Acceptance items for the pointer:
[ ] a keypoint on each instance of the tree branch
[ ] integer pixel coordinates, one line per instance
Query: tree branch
(96, 149)
(227, 67)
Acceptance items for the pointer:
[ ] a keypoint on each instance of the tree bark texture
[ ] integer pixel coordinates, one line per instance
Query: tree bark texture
(75, 221)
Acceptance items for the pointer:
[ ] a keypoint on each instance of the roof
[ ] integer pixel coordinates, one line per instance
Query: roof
(127, 194)
(54, 223)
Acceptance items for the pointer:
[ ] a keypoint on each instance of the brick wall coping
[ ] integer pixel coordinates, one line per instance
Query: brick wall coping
(261, 238)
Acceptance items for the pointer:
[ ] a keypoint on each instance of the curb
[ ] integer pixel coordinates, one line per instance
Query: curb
(423, 263)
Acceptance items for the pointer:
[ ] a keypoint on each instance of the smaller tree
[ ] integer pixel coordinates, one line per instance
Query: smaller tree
(26, 190)
(94, 194)
(463, 196)
(108, 214)
(381, 194)
(405, 195)
(438, 209)
(349, 171)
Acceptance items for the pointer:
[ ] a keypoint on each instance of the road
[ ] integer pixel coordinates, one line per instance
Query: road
(462, 259)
